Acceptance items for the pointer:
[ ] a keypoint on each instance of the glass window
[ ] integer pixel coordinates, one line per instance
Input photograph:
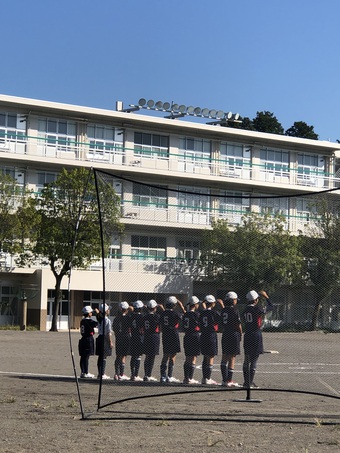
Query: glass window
(150, 145)
(148, 247)
(149, 196)
(191, 201)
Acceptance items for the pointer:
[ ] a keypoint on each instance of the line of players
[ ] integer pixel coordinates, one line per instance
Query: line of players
(139, 329)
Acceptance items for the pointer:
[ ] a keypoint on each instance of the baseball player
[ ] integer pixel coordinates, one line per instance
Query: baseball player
(169, 322)
(208, 322)
(253, 343)
(121, 328)
(136, 342)
(231, 337)
(191, 340)
(151, 339)
(86, 342)
(104, 342)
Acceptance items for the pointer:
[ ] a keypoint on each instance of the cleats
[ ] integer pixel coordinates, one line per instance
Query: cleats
(209, 382)
(149, 379)
(231, 384)
(193, 381)
(104, 377)
(173, 380)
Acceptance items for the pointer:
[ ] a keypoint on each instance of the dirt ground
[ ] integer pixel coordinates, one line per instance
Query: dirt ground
(40, 408)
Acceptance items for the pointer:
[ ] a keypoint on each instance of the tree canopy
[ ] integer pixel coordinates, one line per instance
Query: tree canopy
(257, 254)
(302, 130)
(267, 122)
(322, 251)
(67, 225)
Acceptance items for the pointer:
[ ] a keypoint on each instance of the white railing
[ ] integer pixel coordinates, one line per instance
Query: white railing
(117, 155)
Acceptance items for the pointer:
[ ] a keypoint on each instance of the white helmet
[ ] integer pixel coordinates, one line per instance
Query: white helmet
(151, 303)
(252, 295)
(86, 310)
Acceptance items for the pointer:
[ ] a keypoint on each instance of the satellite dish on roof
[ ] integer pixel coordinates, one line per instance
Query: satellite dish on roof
(159, 105)
(228, 115)
(212, 113)
(205, 112)
(197, 110)
(150, 103)
(220, 114)
(182, 108)
(190, 110)
(175, 108)
(142, 102)
(166, 105)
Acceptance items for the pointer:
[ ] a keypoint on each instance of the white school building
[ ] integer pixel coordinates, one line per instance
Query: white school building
(160, 246)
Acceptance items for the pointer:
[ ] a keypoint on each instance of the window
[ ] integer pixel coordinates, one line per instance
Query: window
(274, 206)
(45, 178)
(104, 138)
(195, 150)
(192, 202)
(305, 210)
(274, 160)
(148, 247)
(11, 128)
(58, 133)
(188, 249)
(8, 171)
(63, 306)
(308, 164)
(233, 203)
(151, 145)
(149, 196)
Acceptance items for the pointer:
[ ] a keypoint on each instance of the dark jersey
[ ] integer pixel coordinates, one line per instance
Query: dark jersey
(121, 325)
(231, 336)
(209, 321)
(151, 334)
(87, 326)
(190, 322)
(169, 320)
(121, 328)
(136, 329)
(191, 329)
(151, 324)
(253, 316)
(230, 319)
(86, 343)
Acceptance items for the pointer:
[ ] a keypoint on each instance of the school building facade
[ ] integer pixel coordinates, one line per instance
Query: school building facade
(186, 163)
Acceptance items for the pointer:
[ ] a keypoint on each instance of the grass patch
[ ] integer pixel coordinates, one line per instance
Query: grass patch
(8, 327)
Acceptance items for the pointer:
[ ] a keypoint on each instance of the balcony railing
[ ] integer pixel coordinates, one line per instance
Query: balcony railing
(158, 159)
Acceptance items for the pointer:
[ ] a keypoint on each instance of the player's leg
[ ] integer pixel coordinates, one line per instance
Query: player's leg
(163, 367)
(246, 371)
(231, 366)
(171, 365)
(252, 369)
(224, 368)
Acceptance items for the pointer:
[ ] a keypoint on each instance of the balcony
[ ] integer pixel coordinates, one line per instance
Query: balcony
(161, 160)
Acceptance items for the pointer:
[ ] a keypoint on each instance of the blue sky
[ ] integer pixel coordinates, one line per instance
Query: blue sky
(242, 56)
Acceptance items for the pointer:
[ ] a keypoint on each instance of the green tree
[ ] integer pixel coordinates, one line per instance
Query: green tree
(12, 199)
(302, 130)
(258, 253)
(322, 251)
(267, 122)
(67, 232)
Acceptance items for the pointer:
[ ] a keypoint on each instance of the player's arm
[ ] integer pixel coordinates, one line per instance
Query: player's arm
(220, 302)
(181, 306)
(269, 304)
